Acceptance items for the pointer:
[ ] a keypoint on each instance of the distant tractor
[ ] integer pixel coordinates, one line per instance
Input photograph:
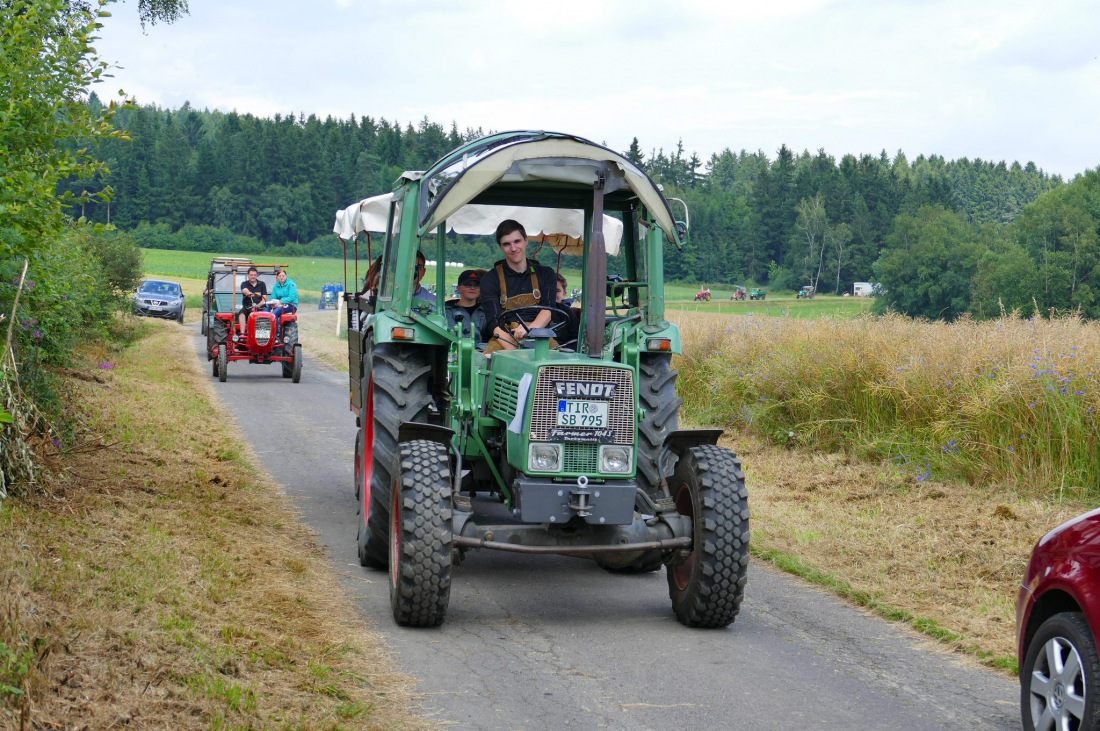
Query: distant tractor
(757, 294)
(806, 293)
(330, 295)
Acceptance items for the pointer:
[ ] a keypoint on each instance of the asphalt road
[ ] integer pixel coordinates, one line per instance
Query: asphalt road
(557, 643)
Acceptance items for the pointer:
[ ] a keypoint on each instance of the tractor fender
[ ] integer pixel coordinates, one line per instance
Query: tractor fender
(411, 430)
(683, 439)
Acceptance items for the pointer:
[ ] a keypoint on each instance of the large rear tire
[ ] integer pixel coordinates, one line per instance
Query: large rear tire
(421, 535)
(707, 586)
(396, 392)
(657, 395)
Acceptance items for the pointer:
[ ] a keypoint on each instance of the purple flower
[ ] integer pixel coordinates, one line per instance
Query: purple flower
(37, 333)
(107, 366)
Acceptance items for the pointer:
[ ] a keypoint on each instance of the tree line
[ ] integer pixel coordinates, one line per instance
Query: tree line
(189, 177)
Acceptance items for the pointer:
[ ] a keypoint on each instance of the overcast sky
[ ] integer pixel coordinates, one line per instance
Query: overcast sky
(992, 79)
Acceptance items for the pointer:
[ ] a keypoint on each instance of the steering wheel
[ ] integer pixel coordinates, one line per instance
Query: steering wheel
(559, 319)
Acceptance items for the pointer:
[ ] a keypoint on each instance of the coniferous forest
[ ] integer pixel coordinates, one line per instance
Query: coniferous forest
(940, 237)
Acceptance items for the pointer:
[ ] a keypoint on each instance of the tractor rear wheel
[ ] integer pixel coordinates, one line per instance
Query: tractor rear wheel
(421, 535)
(657, 396)
(707, 585)
(396, 392)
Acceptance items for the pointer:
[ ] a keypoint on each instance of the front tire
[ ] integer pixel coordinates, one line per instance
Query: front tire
(296, 372)
(1060, 676)
(397, 392)
(707, 586)
(223, 362)
(421, 535)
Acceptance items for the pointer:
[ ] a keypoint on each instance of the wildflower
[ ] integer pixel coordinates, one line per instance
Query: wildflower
(107, 366)
(37, 333)
(56, 442)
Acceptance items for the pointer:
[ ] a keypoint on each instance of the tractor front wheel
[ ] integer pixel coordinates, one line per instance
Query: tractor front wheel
(223, 362)
(421, 535)
(707, 585)
(296, 371)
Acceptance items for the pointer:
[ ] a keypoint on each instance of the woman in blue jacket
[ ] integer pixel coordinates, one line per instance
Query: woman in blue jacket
(284, 295)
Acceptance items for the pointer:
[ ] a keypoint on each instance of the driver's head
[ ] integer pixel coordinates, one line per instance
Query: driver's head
(512, 238)
(253, 274)
(421, 267)
(562, 285)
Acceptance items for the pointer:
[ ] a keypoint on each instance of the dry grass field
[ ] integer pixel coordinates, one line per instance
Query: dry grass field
(874, 501)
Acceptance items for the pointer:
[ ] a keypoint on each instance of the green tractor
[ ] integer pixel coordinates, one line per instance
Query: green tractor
(559, 446)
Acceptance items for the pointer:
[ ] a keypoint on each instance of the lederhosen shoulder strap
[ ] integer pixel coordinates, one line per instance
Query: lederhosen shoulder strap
(504, 287)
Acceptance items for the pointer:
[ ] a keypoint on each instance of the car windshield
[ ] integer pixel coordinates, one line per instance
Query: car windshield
(163, 288)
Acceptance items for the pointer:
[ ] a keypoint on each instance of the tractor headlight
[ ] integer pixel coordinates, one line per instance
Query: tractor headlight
(542, 457)
(615, 458)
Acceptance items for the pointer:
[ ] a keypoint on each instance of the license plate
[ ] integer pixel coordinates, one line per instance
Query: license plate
(583, 414)
(154, 308)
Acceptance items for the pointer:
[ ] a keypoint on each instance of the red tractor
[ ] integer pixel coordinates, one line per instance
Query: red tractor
(263, 340)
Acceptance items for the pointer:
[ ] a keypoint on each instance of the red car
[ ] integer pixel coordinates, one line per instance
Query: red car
(1057, 618)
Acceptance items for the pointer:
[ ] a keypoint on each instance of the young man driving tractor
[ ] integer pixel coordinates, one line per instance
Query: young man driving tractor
(512, 283)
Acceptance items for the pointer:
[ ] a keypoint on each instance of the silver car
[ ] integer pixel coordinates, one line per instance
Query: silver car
(158, 298)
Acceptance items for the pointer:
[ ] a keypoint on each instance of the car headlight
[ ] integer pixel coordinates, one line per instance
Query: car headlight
(615, 458)
(543, 457)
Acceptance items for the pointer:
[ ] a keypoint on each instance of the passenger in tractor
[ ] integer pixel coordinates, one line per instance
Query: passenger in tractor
(570, 332)
(467, 309)
(421, 292)
(515, 281)
(284, 297)
(253, 296)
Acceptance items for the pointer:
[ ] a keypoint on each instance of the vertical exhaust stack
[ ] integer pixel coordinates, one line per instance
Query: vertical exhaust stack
(595, 311)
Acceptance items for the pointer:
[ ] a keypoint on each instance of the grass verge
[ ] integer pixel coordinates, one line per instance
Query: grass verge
(160, 581)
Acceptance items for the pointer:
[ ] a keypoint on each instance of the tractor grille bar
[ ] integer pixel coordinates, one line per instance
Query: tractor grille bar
(621, 410)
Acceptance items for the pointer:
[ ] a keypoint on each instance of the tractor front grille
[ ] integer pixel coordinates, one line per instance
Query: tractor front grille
(263, 330)
(504, 400)
(620, 412)
(583, 458)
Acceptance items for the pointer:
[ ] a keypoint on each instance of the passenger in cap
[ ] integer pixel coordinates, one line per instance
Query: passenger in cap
(467, 308)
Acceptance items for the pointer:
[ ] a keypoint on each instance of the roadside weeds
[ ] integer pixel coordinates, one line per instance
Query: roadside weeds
(161, 581)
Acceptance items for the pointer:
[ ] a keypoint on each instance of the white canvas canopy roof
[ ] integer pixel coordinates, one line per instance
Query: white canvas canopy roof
(371, 214)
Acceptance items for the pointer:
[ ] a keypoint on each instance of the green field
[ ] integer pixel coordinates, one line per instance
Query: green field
(310, 273)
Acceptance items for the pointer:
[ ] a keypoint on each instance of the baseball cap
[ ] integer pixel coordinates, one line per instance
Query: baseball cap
(470, 276)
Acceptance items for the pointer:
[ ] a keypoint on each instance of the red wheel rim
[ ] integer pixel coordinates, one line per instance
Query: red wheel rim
(681, 573)
(366, 452)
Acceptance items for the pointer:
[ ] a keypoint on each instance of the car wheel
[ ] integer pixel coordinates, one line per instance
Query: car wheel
(1058, 682)
(421, 535)
(706, 586)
